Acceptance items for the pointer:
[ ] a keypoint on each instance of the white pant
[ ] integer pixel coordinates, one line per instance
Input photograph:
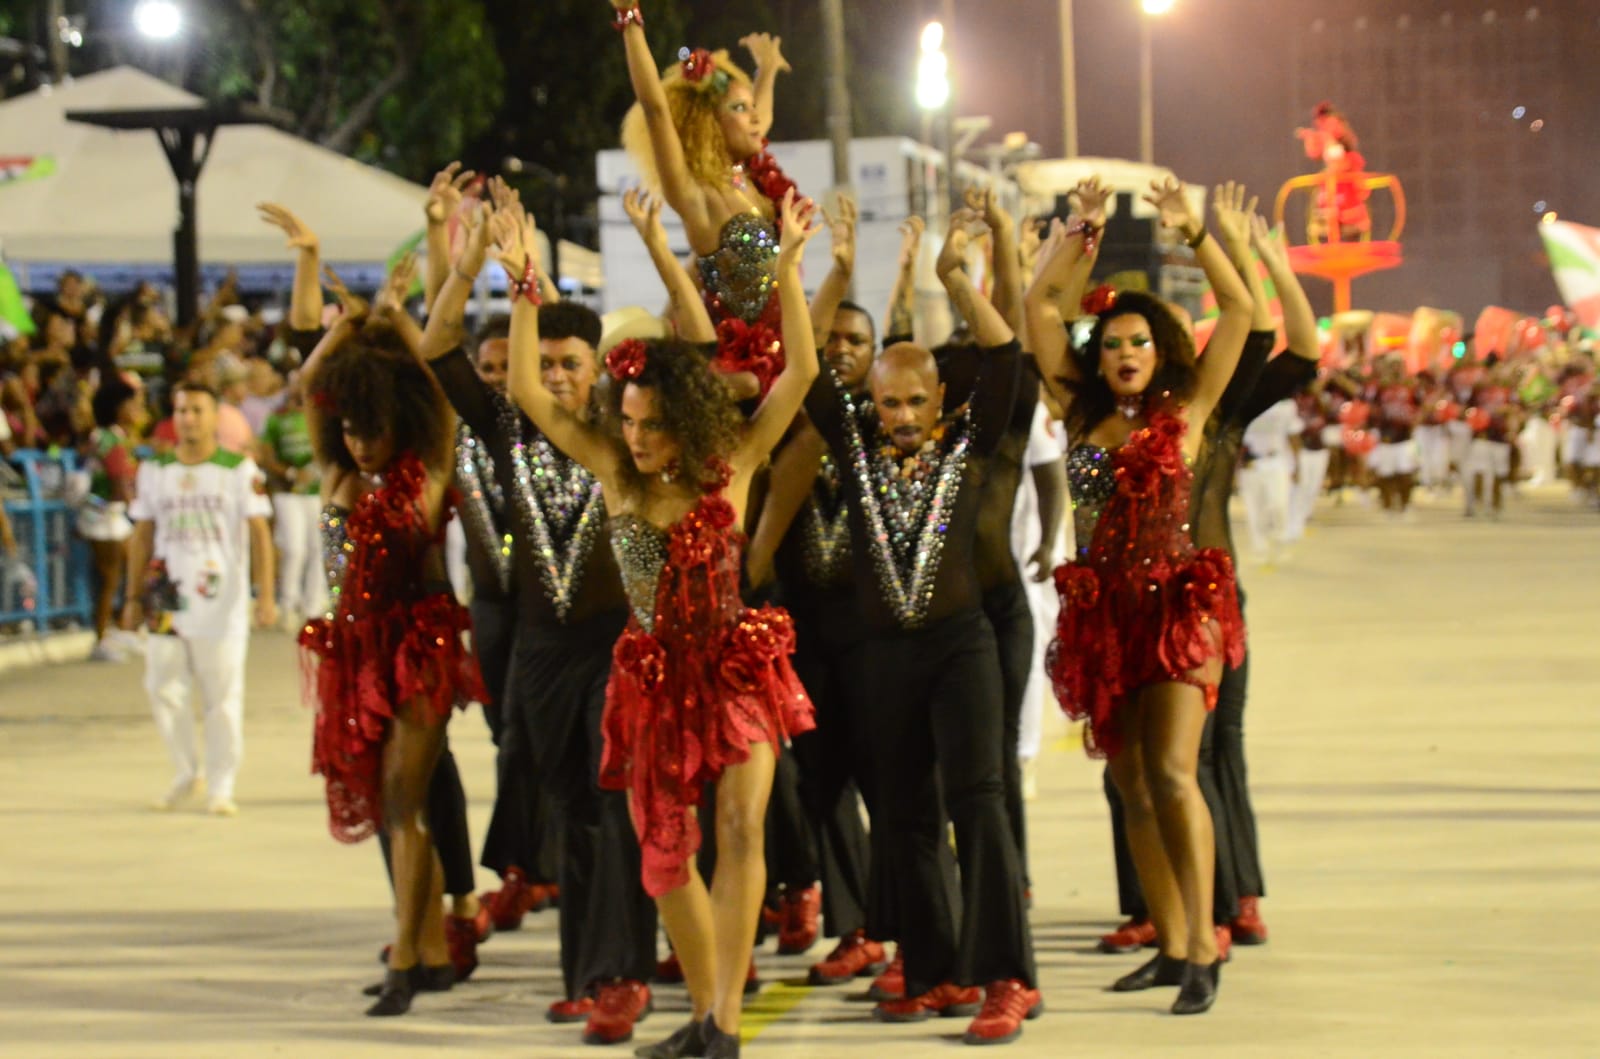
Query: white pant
(1264, 484)
(1313, 471)
(173, 666)
(455, 560)
(1043, 604)
(302, 582)
(1538, 444)
(1433, 449)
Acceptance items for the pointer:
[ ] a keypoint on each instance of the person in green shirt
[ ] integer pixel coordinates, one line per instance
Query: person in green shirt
(284, 452)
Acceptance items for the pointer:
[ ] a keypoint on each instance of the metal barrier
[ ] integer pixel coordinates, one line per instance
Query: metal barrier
(47, 582)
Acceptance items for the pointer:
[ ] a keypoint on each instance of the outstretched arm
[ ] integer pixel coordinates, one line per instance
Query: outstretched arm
(1047, 331)
(836, 284)
(1007, 292)
(788, 391)
(444, 199)
(305, 302)
(516, 247)
(1299, 322)
(902, 321)
(688, 309)
(682, 192)
(446, 321)
(1233, 215)
(794, 472)
(989, 328)
(766, 51)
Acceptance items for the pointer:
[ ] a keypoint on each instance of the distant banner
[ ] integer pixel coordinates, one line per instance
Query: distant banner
(13, 310)
(15, 169)
(1574, 251)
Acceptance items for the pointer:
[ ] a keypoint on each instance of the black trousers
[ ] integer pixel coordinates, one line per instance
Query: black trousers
(447, 821)
(557, 696)
(521, 832)
(931, 705)
(1007, 609)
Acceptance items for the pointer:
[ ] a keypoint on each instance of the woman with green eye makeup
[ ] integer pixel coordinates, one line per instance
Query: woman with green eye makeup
(1147, 620)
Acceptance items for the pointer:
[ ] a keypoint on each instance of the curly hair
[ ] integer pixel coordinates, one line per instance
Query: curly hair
(694, 403)
(694, 107)
(372, 384)
(1176, 373)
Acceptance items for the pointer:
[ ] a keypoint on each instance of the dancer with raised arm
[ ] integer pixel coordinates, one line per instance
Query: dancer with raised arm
(701, 688)
(1147, 620)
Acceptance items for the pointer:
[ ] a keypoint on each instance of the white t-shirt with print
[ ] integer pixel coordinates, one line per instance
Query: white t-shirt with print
(201, 512)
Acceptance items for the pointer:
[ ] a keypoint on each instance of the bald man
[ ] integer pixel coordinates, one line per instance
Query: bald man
(925, 674)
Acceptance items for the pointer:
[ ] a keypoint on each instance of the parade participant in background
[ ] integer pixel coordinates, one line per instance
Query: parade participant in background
(1494, 419)
(103, 519)
(388, 664)
(925, 679)
(568, 609)
(200, 538)
(1266, 477)
(1396, 411)
(1311, 457)
(1435, 409)
(699, 134)
(1136, 409)
(284, 452)
(701, 689)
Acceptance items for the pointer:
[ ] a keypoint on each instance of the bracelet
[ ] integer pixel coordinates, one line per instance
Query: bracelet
(1091, 234)
(1197, 238)
(528, 286)
(626, 17)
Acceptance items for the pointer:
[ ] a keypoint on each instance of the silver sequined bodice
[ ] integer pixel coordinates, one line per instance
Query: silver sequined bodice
(741, 274)
(1092, 483)
(336, 549)
(641, 551)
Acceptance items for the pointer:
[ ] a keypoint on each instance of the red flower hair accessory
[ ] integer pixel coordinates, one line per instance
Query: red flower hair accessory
(627, 360)
(698, 64)
(1100, 300)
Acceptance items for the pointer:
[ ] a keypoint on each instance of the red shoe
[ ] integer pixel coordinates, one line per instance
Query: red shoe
(752, 981)
(856, 956)
(772, 914)
(537, 897)
(620, 1004)
(564, 1011)
(669, 970)
(1224, 944)
(482, 923)
(508, 904)
(891, 984)
(947, 1001)
(801, 912)
(1005, 1007)
(1248, 929)
(461, 935)
(1132, 936)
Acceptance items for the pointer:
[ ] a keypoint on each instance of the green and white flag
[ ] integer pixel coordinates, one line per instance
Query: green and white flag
(1574, 251)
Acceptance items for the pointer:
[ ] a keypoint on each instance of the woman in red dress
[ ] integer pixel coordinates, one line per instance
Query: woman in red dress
(701, 688)
(1146, 620)
(388, 663)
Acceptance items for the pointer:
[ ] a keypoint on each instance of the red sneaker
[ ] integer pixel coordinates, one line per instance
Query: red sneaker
(508, 904)
(1248, 929)
(946, 1001)
(1224, 944)
(563, 1011)
(461, 936)
(1005, 1006)
(1132, 936)
(669, 970)
(620, 1004)
(891, 984)
(856, 956)
(802, 911)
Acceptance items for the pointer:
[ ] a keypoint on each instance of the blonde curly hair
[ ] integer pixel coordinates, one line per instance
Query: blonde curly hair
(694, 106)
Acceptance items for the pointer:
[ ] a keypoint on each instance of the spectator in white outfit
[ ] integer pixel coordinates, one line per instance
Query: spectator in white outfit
(200, 516)
(1266, 476)
(1041, 503)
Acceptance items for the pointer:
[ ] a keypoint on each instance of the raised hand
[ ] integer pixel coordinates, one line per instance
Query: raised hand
(300, 237)
(445, 193)
(474, 247)
(766, 51)
(644, 210)
(515, 240)
(502, 194)
(1089, 198)
(986, 204)
(798, 215)
(350, 305)
(391, 299)
(1052, 260)
(1233, 213)
(1030, 241)
(964, 223)
(1167, 196)
(911, 230)
(1269, 242)
(842, 229)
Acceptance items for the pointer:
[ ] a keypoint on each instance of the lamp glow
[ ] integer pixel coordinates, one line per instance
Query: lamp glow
(158, 19)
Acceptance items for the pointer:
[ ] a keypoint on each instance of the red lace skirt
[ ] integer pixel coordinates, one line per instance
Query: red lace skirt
(1121, 630)
(677, 715)
(358, 674)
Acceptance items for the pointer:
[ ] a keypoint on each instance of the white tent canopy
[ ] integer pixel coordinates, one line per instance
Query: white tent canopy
(113, 200)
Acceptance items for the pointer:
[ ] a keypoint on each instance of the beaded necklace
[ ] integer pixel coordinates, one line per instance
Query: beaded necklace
(825, 528)
(482, 497)
(559, 506)
(907, 514)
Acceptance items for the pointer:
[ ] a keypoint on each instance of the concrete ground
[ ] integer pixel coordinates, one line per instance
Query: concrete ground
(1424, 733)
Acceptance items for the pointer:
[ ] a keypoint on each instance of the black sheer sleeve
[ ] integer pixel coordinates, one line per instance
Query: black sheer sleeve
(468, 394)
(994, 396)
(1284, 376)
(1252, 361)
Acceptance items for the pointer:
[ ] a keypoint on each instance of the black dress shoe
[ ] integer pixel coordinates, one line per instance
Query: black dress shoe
(688, 1041)
(1199, 990)
(1159, 970)
(424, 979)
(719, 1045)
(395, 996)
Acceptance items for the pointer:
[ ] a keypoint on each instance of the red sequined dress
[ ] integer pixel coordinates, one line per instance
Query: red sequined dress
(390, 638)
(697, 679)
(1140, 604)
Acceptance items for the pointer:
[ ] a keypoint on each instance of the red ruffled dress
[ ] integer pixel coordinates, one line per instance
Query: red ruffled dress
(390, 638)
(697, 679)
(1140, 605)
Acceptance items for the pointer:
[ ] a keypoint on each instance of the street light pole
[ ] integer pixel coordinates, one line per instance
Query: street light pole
(838, 91)
(1069, 85)
(1147, 106)
(952, 191)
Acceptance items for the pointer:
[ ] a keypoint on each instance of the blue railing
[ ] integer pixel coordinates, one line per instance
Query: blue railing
(47, 582)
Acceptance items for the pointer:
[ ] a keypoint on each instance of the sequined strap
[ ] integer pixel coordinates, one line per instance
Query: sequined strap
(641, 550)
